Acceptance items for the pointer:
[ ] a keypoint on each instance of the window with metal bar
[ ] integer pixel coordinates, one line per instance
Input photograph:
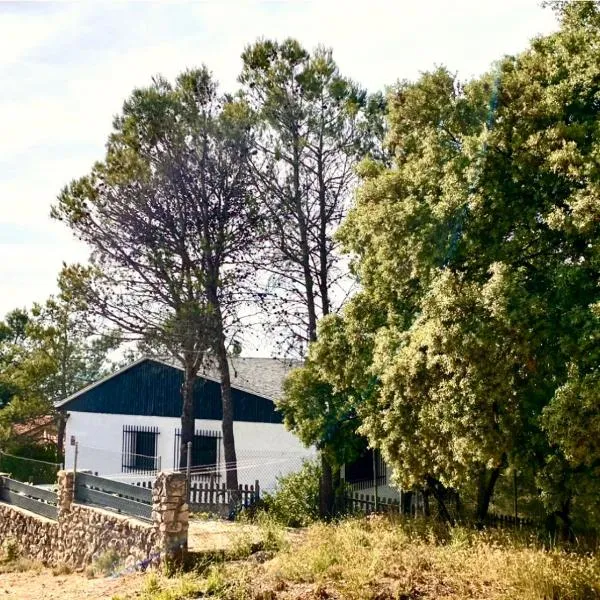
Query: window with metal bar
(206, 452)
(361, 470)
(139, 453)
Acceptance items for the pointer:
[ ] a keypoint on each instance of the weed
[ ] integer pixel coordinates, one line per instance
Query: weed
(10, 550)
(106, 563)
(61, 569)
(272, 534)
(20, 565)
(182, 587)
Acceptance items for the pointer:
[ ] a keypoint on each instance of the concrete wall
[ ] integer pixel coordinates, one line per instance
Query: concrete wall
(83, 533)
(264, 450)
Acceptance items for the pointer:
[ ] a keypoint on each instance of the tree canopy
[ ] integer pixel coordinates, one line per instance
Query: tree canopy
(477, 257)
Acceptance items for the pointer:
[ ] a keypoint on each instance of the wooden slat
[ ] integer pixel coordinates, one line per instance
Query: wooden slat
(41, 508)
(110, 501)
(30, 490)
(109, 486)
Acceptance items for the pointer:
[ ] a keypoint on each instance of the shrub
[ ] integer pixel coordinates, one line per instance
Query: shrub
(61, 569)
(106, 563)
(29, 470)
(10, 550)
(295, 502)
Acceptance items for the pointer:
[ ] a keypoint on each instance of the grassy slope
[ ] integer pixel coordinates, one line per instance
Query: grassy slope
(369, 559)
(379, 560)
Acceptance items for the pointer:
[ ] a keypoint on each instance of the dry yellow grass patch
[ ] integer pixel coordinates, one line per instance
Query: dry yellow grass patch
(378, 558)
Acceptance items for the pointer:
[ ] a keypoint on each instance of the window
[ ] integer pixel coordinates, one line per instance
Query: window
(139, 449)
(206, 452)
(361, 470)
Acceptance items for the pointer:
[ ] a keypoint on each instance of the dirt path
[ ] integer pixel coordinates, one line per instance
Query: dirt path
(42, 585)
(218, 535)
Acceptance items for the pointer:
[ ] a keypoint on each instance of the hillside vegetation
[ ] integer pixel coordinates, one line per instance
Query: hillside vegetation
(378, 558)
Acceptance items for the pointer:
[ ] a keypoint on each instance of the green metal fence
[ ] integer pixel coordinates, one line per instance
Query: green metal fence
(35, 499)
(113, 495)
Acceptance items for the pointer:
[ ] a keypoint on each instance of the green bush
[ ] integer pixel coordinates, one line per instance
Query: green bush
(295, 502)
(32, 471)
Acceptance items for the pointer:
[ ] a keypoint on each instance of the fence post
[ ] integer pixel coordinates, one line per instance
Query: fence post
(256, 491)
(66, 492)
(170, 515)
(375, 480)
(188, 469)
(515, 490)
(75, 460)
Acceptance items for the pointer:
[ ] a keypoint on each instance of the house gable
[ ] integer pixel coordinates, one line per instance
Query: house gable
(152, 388)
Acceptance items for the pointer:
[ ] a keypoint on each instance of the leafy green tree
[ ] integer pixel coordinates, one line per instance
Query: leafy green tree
(46, 355)
(171, 222)
(477, 257)
(12, 335)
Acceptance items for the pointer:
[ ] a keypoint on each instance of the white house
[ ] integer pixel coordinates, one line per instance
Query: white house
(127, 425)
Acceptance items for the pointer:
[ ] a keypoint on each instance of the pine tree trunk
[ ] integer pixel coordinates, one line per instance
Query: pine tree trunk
(187, 412)
(61, 424)
(231, 476)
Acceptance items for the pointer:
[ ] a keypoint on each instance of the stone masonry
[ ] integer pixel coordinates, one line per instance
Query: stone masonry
(83, 533)
(170, 514)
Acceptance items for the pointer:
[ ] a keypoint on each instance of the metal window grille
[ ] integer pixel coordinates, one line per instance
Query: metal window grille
(206, 453)
(139, 449)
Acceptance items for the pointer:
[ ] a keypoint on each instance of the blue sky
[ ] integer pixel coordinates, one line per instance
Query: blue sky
(65, 69)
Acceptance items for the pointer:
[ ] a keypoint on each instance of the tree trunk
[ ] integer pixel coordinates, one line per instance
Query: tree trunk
(61, 424)
(485, 492)
(323, 221)
(566, 530)
(187, 411)
(426, 508)
(231, 476)
(304, 247)
(438, 491)
(326, 491)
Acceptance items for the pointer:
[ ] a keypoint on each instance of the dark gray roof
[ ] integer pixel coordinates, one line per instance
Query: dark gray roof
(261, 376)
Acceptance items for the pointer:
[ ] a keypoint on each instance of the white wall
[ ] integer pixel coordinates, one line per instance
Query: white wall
(264, 450)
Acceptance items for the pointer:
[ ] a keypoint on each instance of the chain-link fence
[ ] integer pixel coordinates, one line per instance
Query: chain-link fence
(32, 465)
(265, 466)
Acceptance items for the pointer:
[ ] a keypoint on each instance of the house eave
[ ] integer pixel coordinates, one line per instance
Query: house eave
(63, 403)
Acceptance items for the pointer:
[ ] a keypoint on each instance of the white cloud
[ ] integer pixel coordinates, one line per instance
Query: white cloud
(24, 30)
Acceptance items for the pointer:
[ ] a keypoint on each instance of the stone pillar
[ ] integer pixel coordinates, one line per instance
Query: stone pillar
(170, 515)
(66, 491)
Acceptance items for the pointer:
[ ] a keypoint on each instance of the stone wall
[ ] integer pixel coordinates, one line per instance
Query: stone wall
(83, 533)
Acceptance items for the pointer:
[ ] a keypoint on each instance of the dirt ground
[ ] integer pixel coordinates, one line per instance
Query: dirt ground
(217, 535)
(43, 585)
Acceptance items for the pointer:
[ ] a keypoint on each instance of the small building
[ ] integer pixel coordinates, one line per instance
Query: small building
(127, 426)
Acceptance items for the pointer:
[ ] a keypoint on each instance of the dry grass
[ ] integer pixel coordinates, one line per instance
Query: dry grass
(11, 560)
(20, 565)
(361, 559)
(379, 559)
